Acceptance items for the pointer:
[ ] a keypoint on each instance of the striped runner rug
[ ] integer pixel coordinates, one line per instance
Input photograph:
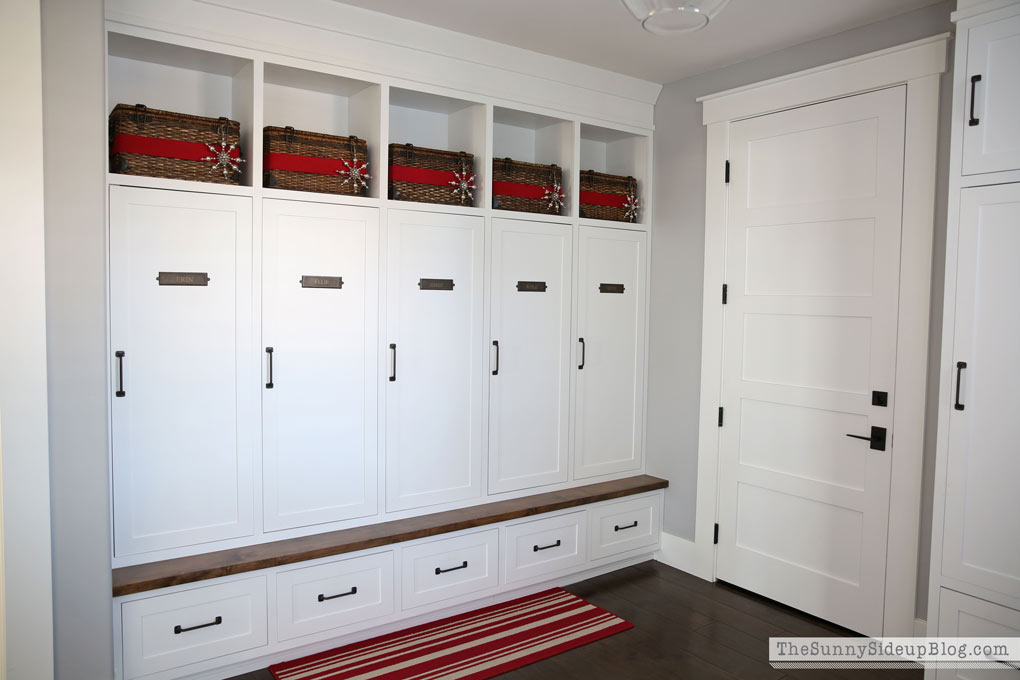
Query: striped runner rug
(478, 644)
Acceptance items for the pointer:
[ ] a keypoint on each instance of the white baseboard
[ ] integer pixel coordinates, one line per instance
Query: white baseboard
(920, 628)
(685, 555)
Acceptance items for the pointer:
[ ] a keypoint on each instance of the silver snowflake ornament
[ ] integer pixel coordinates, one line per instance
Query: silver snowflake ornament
(355, 172)
(554, 198)
(463, 186)
(632, 205)
(221, 158)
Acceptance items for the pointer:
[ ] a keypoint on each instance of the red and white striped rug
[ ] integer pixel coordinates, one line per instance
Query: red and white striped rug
(472, 646)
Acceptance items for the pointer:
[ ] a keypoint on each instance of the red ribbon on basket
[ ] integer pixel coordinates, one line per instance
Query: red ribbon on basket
(519, 190)
(289, 162)
(599, 198)
(404, 173)
(164, 148)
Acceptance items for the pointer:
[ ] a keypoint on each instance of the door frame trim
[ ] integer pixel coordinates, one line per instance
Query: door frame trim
(917, 65)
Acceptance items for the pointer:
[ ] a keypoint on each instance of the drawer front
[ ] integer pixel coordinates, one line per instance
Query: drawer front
(628, 525)
(326, 596)
(450, 567)
(545, 546)
(965, 616)
(168, 631)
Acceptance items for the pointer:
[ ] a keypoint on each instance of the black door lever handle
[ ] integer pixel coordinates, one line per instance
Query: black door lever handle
(877, 438)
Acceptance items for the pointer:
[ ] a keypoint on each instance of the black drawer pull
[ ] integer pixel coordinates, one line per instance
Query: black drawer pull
(580, 366)
(960, 365)
(629, 526)
(352, 591)
(393, 371)
(495, 343)
(120, 373)
(269, 351)
(557, 544)
(463, 565)
(178, 630)
(974, 80)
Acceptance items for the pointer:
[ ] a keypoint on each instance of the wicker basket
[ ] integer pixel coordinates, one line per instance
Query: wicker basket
(312, 161)
(156, 143)
(431, 175)
(609, 197)
(527, 187)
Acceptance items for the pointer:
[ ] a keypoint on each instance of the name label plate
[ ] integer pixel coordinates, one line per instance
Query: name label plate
(435, 284)
(531, 287)
(183, 278)
(611, 288)
(322, 282)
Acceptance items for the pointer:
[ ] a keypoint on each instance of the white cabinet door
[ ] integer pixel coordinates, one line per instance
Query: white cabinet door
(529, 383)
(435, 379)
(991, 137)
(320, 319)
(980, 544)
(964, 616)
(184, 413)
(610, 351)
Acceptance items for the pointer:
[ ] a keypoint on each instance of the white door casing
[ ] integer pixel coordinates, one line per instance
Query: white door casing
(813, 252)
(529, 376)
(435, 384)
(183, 405)
(320, 317)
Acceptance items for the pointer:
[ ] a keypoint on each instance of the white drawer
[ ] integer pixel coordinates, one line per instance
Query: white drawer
(449, 567)
(627, 525)
(965, 616)
(545, 546)
(167, 631)
(326, 596)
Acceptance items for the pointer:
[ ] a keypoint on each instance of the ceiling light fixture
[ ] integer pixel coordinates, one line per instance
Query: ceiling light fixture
(673, 17)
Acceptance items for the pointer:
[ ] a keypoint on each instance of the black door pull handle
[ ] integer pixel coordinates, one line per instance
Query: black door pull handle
(393, 370)
(877, 438)
(463, 565)
(974, 80)
(557, 544)
(120, 373)
(269, 351)
(628, 526)
(960, 365)
(495, 343)
(352, 591)
(178, 630)
(580, 366)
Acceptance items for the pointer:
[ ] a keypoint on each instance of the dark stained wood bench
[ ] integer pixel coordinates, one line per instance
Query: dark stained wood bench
(165, 573)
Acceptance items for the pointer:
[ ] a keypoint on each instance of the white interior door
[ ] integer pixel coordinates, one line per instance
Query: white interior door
(529, 383)
(981, 543)
(609, 352)
(184, 413)
(320, 318)
(991, 136)
(436, 382)
(812, 269)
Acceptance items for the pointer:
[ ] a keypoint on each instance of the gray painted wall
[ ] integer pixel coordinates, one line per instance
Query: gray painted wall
(74, 120)
(678, 252)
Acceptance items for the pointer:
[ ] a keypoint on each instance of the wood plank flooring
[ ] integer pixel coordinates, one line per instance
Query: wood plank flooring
(683, 628)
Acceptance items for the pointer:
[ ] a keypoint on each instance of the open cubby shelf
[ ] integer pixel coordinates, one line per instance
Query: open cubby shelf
(329, 99)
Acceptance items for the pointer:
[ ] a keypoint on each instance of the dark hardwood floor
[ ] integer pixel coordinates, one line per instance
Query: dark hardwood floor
(683, 628)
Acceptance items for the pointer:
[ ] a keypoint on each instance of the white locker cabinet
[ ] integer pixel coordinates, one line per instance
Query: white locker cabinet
(529, 383)
(434, 381)
(965, 616)
(319, 331)
(982, 516)
(610, 351)
(182, 368)
(991, 135)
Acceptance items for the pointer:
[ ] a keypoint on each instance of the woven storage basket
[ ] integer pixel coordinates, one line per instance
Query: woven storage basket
(312, 161)
(528, 187)
(430, 175)
(156, 143)
(608, 197)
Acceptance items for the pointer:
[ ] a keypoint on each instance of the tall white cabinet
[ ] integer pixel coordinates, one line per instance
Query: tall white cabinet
(181, 334)
(320, 302)
(975, 570)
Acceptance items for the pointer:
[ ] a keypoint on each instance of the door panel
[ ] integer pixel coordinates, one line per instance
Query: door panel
(991, 139)
(529, 393)
(982, 504)
(813, 233)
(609, 354)
(435, 389)
(320, 316)
(182, 431)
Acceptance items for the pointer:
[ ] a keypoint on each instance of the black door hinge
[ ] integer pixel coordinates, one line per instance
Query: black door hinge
(725, 293)
(720, 416)
(727, 172)
(715, 538)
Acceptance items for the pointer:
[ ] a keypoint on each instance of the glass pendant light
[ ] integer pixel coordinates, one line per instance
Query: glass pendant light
(672, 17)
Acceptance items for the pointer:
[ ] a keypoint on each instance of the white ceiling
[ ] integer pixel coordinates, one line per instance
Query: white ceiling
(603, 33)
